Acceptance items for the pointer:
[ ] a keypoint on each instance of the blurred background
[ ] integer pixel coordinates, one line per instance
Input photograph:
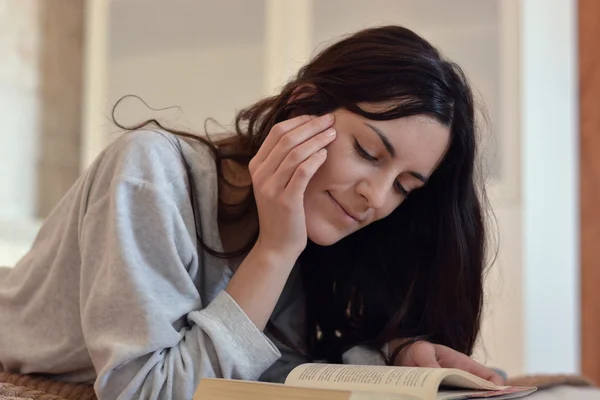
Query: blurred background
(64, 64)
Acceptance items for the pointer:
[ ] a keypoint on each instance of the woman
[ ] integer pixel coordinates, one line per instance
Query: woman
(341, 224)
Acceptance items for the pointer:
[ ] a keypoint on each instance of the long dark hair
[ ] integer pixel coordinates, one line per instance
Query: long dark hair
(418, 272)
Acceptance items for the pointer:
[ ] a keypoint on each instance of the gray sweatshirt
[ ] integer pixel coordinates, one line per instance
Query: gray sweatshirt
(117, 291)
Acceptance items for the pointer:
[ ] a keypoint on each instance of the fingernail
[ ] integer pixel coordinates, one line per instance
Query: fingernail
(328, 117)
(330, 132)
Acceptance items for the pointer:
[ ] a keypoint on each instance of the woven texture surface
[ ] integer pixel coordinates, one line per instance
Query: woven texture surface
(16, 386)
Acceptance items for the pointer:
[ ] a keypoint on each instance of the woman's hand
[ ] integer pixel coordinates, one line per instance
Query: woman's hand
(281, 169)
(425, 354)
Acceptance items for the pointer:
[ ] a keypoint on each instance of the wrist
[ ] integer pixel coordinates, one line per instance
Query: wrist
(271, 255)
(259, 281)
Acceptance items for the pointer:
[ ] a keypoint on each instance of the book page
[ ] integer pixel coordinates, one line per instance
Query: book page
(459, 378)
(228, 389)
(418, 382)
(502, 394)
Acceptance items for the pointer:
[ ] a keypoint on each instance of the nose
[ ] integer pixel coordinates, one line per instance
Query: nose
(375, 190)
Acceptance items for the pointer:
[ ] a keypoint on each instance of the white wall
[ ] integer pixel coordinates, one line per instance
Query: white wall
(202, 83)
(19, 107)
(550, 185)
(197, 56)
(19, 113)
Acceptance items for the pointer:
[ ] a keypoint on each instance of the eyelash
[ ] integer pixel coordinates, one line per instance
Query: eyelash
(363, 153)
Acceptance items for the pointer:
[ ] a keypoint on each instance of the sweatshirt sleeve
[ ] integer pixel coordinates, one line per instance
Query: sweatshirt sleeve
(362, 355)
(147, 332)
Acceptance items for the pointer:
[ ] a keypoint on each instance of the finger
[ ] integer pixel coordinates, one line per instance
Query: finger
(422, 354)
(496, 379)
(297, 156)
(450, 358)
(291, 140)
(304, 172)
(429, 363)
(277, 132)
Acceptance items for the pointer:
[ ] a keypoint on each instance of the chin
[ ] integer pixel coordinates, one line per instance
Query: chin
(322, 233)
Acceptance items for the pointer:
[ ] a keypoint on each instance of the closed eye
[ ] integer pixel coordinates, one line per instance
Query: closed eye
(400, 189)
(364, 154)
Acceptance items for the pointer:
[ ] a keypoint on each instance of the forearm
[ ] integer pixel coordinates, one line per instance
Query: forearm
(258, 282)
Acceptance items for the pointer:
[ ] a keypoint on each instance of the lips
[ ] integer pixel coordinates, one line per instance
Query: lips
(354, 217)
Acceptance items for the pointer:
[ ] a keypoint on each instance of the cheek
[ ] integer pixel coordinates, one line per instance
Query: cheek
(338, 170)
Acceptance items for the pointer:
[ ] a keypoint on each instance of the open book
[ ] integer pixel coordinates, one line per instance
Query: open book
(361, 382)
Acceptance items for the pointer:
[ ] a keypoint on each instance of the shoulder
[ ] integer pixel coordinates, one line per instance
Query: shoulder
(151, 156)
(154, 159)
(154, 156)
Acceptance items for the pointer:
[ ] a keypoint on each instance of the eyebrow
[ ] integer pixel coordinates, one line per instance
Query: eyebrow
(390, 149)
(384, 139)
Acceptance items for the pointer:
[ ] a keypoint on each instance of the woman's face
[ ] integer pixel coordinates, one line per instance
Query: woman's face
(371, 167)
